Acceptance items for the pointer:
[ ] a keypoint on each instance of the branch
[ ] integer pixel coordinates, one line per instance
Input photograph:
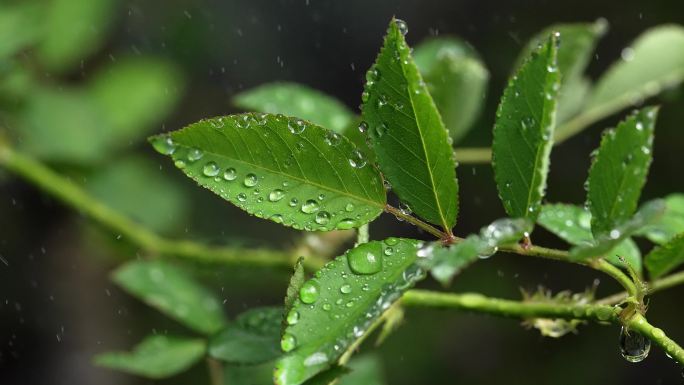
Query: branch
(655, 286)
(502, 307)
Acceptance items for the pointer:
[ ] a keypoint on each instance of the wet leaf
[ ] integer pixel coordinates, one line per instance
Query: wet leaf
(296, 282)
(573, 224)
(157, 356)
(341, 304)
(523, 132)
(297, 100)
(667, 257)
(649, 213)
(407, 133)
(670, 224)
(457, 80)
(253, 338)
(173, 292)
(280, 168)
(618, 171)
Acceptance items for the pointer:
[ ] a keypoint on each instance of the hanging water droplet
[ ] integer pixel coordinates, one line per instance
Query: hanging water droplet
(365, 259)
(276, 195)
(634, 347)
(251, 180)
(211, 169)
(309, 292)
(357, 159)
(332, 138)
(296, 126)
(195, 154)
(292, 317)
(310, 206)
(401, 25)
(322, 218)
(363, 127)
(164, 145)
(288, 342)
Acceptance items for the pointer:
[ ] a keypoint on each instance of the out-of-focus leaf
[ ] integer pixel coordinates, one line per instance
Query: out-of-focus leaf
(280, 168)
(365, 370)
(253, 338)
(667, 257)
(172, 291)
(296, 282)
(523, 132)
(133, 94)
(157, 356)
(457, 80)
(137, 187)
(618, 171)
(20, 26)
(297, 100)
(73, 29)
(670, 224)
(337, 307)
(407, 133)
(261, 374)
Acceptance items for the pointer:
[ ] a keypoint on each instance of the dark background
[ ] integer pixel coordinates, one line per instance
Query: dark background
(57, 307)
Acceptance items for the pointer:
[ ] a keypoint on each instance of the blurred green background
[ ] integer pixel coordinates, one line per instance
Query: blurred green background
(106, 73)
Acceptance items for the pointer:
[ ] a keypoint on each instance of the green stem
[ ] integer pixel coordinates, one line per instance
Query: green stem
(416, 222)
(215, 369)
(655, 286)
(640, 324)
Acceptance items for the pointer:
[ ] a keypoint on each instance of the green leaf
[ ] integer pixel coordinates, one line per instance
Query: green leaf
(297, 100)
(649, 213)
(573, 224)
(618, 171)
(407, 134)
(342, 304)
(365, 370)
(261, 374)
(296, 282)
(20, 27)
(523, 132)
(578, 41)
(667, 257)
(73, 30)
(457, 80)
(157, 356)
(133, 94)
(137, 187)
(170, 290)
(670, 224)
(445, 262)
(393, 318)
(253, 338)
(281, 168)
(654, 61)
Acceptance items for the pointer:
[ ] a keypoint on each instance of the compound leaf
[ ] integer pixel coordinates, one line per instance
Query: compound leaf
(285, 169)
(667, 257)
(407, 133)
(253, 338)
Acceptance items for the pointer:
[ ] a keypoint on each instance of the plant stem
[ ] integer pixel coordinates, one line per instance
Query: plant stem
(416, 222)
(507, 308)
(473, 155)
(73, 195)
(215, 369)
(655, 286)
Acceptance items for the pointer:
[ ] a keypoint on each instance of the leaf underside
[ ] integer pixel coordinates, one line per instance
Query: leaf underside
(253, 338)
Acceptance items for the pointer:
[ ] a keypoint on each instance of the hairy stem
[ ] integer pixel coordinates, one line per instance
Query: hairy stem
(654, 286)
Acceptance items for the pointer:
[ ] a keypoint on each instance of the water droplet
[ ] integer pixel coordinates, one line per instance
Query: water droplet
(365, 259)
(634, 347)
(243, 121)
(276, 195)
(357, 159)
(551, 68)
(346, 224)
(242, 197)
(310, 206)
(309, 291)
(321, 196)
(179, 163)
(288, 342)
(401, 25)
(392, 241)
(251, 180)
(217, 122)
(389, 251)
(364, 96)
(230, 174)
(211, 169)
(363, 127)
(327, 306)
(332, 138)
(293, 202)
(292, 317)
(614, 234)
(527, 122)
(380, 130)
(296, 126)
(277, 218)
(195, 154)
(627, 54)
(322, 218)
(164, 145)
(349, 207)
(345, 289)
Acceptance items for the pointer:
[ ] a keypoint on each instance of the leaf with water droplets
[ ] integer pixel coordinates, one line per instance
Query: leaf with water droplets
(667, 257)
(407, 134)
(578, 41)
(297, 100)
(445, 262)
(253, 338)
(280, 168)
(157, 356)
(649, 213)
(618, 171)
(670, 224)
(296, 282)
(341, 304)
(523, 132)
(457, 80)
(573, 224)
(173, 292)
(653, 62)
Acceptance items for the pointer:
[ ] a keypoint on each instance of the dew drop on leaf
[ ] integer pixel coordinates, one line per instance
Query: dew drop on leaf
(310, 207)
(365, 259)
(296, 126)
(346, 224)
(276, 195)
(251, 180)
(179, 163)
(288, 342)
(401, 25)
(345, 289)
(309, 292)
(322, 218)
(164, 145)
(349, 207)
(277, 218)
(195, 154)
(634, 347)
(363, 127)
(332, 138)
(242, 197)
(292, 317)
(230, 174)
(211, 169)
(357, 159)
(293, 202)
